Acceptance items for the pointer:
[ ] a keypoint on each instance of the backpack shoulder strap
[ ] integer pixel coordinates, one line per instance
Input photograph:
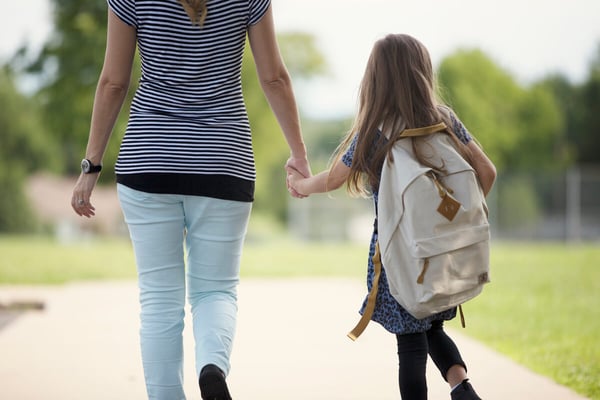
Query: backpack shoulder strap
(371, 298)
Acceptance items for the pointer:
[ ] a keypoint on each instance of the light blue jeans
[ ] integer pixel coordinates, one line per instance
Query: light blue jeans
(213, 231)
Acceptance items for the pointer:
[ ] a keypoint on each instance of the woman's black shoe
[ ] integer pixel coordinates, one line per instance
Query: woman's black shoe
(212, 383)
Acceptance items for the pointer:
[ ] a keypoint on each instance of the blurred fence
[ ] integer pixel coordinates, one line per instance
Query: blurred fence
(560, 206)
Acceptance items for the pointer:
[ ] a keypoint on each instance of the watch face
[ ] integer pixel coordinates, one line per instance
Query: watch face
(88, 168)
(85, 166)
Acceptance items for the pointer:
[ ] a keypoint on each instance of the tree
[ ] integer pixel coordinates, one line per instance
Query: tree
(565, 94)
(542, 141)
(24, 147)
(580, 105)
(518, 127)
(586, 132)
(68, 68)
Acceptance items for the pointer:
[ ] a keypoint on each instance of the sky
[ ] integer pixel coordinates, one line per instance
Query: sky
(528, 38)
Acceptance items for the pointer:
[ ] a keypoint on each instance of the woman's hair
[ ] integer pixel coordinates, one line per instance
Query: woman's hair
(396, 93)
(196, 9)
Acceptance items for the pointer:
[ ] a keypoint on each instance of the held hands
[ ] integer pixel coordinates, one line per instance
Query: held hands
(293, 179)
(296, 168)
(80, 201)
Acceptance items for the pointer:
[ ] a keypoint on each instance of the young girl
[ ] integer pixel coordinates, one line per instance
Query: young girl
(397, 93)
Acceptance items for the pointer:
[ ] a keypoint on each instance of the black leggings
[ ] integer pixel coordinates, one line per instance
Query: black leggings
(412, 355)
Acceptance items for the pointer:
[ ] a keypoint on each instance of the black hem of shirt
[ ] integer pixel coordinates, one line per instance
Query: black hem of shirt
(223, 187)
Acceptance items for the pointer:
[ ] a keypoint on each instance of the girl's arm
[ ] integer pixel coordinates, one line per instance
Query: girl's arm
(111, 91)
(486, 171)
(325, 181)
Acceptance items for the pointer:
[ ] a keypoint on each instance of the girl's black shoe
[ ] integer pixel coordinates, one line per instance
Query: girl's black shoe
(212, 384)
(464, 391)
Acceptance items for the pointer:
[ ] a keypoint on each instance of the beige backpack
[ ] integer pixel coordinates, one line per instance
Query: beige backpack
(433, 231)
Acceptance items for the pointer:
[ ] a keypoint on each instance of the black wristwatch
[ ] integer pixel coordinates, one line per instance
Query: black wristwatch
(88, 168)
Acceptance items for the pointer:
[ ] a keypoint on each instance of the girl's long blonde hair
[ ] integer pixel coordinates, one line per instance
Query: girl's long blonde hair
(196, 10)
(396, 92)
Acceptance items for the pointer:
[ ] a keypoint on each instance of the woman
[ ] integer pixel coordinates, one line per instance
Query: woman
(397, 93)
(185, 171)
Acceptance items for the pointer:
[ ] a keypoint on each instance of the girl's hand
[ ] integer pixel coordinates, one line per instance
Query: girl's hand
(301, 167)
(82, 192)
(294, 178)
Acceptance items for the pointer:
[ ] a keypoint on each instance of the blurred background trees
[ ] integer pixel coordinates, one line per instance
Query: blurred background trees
(519, 127)
(544, 126)
(66, 72)
(24, 148)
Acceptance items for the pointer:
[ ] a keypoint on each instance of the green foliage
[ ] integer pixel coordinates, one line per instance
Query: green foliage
(587, 119)
(23, 141)
(546, 126)
(74, 54)
(69, 66)
(579, 103)
(542, 134)
(567, 99)
(485, 98)
(23, 148)
(302, 57)
(578, 140)
(517, 127)
(541, 310)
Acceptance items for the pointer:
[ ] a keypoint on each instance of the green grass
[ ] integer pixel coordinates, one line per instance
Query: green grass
(542, 308)
(42, 260)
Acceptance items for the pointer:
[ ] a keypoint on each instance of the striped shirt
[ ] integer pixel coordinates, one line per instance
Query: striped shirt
(188, 130)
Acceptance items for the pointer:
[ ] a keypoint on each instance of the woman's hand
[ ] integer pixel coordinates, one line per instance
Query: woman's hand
(301, 167)
(82, 192)
(293, 179)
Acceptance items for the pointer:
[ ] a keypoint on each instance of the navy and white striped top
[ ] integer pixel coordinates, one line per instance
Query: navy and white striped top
(188, 130)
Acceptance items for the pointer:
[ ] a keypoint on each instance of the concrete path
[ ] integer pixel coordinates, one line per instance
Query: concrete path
(291, 344)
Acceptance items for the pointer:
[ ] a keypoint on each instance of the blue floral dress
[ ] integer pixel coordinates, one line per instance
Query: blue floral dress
(387, 311)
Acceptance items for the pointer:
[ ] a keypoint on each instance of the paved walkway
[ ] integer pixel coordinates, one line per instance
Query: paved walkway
(291, 344)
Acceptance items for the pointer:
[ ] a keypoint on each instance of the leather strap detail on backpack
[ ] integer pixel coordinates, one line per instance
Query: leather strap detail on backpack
(424, 131)
(421, 277)
(371, 298)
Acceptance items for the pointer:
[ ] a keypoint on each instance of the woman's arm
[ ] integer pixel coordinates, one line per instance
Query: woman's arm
(111, 91)
(277, 86)
(486, 171)
(325, 181)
